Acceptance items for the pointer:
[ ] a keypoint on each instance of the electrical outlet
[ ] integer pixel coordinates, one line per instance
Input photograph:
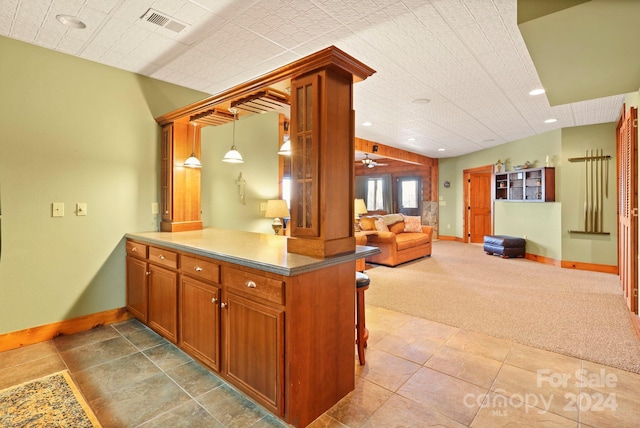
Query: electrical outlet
(154, 208)
(263, 206)
(81, 208)
(57, 209)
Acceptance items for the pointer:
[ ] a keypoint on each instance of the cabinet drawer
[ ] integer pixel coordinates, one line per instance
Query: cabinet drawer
(199, 268)
(136, 249)
(163, 257)
(252, 285)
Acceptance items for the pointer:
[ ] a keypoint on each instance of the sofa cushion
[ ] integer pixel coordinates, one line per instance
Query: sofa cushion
(412, 223)
(397, 228)
(410, 240)
(368, 223)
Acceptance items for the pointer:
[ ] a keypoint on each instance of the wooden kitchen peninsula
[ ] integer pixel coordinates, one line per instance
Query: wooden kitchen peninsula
(279, 326)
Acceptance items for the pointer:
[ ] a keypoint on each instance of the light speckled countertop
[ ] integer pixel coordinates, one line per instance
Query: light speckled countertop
(254, 250)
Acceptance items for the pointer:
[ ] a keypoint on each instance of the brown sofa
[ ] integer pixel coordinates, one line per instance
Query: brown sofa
(397, 246)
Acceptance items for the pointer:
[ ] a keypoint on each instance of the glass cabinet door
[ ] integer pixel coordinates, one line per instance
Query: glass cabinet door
(305, 158)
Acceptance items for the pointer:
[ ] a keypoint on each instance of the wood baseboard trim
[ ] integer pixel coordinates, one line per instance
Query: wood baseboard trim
(46, 332)
(449, 238)
(635, 320)
(542, 259)
(590, 266)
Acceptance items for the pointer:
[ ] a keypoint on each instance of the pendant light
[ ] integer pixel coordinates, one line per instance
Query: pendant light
(233, 155)
(192, 161)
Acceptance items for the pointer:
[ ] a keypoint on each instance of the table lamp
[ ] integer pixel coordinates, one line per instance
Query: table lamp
(359, 207)
(276, 209)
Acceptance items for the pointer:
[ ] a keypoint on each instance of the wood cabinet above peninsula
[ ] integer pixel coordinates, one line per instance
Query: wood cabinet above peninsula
(271, 323)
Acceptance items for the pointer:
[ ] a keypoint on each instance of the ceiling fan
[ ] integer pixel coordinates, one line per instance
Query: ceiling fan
(370, 163)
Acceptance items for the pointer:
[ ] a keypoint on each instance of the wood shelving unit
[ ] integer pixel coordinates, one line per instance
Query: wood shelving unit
(526, 185)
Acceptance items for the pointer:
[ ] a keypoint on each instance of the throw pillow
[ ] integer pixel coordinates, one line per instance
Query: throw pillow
(412, 223)
(381, 226)
(368, 223)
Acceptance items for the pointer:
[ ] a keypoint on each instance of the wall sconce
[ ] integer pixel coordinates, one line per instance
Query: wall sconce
(276, 209)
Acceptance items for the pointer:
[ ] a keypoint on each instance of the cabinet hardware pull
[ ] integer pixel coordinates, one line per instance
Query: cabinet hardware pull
(134, 249)
(161, 257)
(198, 269)
(214, 300)
(250, 284)
(223, 305)
(147, 273)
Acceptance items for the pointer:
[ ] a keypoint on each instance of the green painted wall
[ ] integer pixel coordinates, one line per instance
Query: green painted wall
(591, 248)
(73, 131)
(533, 149)
(545, 225)
(257, 141)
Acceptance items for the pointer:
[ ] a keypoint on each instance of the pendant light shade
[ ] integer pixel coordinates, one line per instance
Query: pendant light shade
(233, 155)
(285, 148)
(192, 161)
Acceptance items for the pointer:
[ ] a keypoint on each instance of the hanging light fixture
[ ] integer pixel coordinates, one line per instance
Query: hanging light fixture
(285, 148)
(233, 155)
(192, 161)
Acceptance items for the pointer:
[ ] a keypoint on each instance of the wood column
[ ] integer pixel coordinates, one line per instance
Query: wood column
(323, 144)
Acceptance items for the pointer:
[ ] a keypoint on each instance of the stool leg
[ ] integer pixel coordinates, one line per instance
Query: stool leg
(362, 334)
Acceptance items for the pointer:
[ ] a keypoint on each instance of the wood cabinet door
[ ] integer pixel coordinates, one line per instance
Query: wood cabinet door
(254, 349)
(200, 321)
(137, 288)
(163, 302)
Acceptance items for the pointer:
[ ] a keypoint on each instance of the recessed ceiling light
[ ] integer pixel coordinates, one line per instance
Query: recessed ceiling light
(411, 139)
(441, 150)
(551, 120)
(421, 101)
(367, 124)
(538, 91)
(71, 21)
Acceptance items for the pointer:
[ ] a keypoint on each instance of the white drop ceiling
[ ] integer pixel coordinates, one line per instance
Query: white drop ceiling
(466, 56)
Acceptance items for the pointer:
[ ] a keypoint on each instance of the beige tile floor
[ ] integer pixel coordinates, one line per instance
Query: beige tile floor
(418, 373)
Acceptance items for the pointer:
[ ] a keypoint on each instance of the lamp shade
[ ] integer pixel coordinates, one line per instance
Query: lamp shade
(285, 148)
(276, 208)
(192, 162)
(233, 156)
(359, 207)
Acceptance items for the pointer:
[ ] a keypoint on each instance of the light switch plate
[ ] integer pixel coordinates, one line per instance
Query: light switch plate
(57, 209)
(154, 208)
(81, 208)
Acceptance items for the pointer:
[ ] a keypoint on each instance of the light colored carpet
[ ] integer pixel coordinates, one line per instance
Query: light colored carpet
(51, 401)
(572, 312)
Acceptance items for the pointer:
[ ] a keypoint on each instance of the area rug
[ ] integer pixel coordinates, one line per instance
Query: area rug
(571, 312)
(51, 401)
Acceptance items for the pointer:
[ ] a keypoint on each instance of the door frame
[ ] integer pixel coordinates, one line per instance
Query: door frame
(466, 192)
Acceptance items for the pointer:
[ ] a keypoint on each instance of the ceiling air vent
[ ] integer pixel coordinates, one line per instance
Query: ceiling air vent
(163, 20)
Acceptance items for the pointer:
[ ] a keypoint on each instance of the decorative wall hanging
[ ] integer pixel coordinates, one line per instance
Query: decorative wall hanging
(596, 186)
(241, 188)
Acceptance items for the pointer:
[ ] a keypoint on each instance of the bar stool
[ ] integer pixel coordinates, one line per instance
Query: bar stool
(362, 334)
